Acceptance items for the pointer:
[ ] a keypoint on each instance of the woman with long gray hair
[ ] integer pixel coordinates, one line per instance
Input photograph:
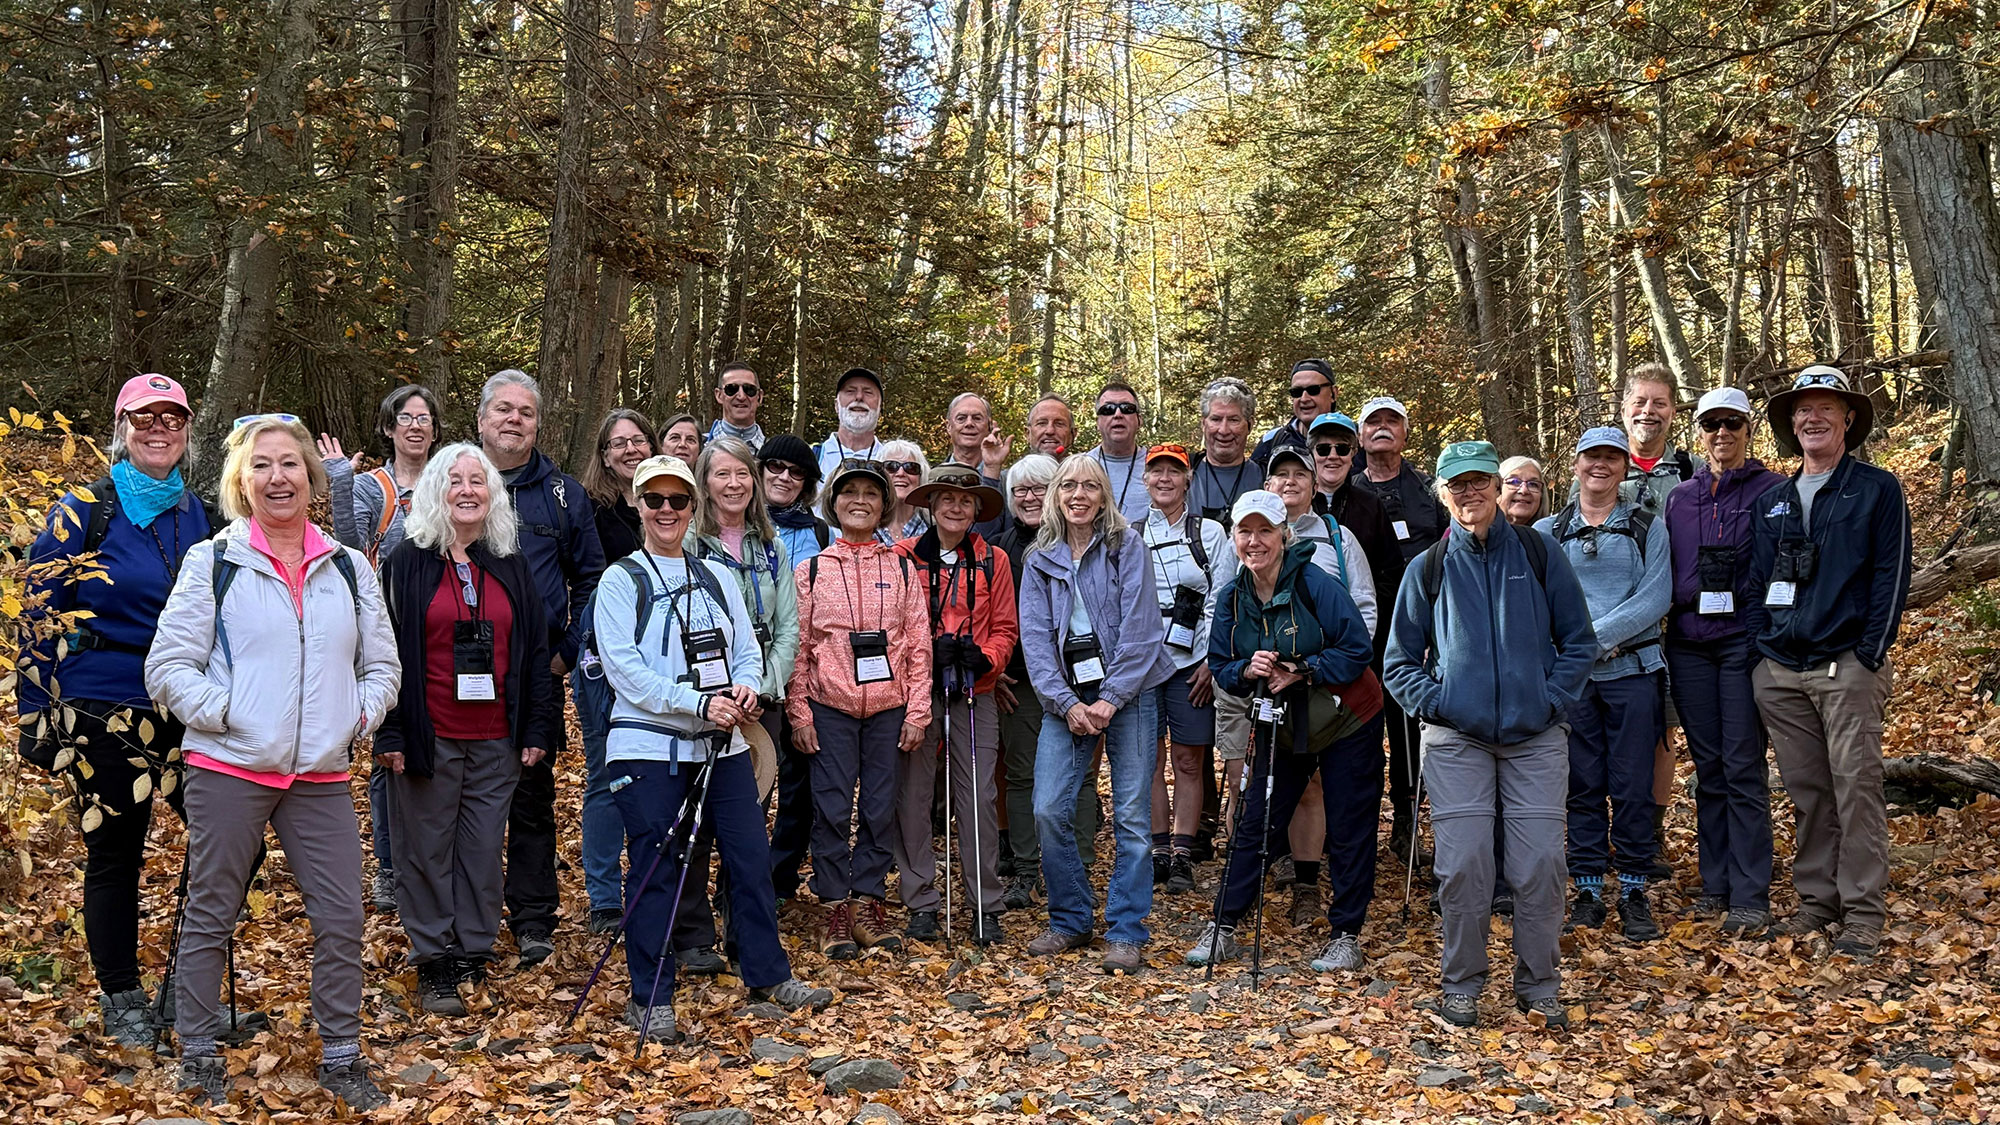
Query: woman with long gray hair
(476, 705)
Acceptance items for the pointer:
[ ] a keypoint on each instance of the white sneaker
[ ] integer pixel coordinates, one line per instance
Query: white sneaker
(1218, 944)
(1342, 955)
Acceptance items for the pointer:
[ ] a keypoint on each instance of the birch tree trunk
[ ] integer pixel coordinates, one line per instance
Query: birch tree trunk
(1669, 338)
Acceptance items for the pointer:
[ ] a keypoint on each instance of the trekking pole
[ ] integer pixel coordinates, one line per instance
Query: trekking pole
(949, 682)
(699, 796)
(161, 1001)
(659, 854)
(1276, 712)
(1416, 838)
(1232, 807)
(978, 863)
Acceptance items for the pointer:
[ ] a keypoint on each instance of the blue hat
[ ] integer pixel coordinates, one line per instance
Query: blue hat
(1599, 437)
(1461, 457)
(1335, 419)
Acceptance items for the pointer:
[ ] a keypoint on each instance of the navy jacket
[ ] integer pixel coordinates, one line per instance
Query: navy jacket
(1502, 656)
(1860, 580)
(559, 541)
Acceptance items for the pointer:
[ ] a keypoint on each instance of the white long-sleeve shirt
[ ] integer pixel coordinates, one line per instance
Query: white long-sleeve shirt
(1312, 527)
(1174, 565)
(648, 673)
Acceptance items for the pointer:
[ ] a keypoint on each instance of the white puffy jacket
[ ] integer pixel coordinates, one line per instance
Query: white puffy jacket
(295, 697)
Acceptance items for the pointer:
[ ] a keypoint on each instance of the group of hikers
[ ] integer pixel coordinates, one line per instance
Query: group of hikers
(776, 647)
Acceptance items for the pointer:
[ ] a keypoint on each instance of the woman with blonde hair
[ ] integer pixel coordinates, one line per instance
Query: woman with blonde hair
(270, 737)
(476, 705)
(1096, 647)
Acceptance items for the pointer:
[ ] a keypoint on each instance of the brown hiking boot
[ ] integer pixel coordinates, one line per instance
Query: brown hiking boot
(839, 943)
(1053, 941)
(1305, 905)
(871, 924)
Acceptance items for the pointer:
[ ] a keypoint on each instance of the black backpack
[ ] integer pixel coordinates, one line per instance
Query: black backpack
(1531, 542)
(703, 575)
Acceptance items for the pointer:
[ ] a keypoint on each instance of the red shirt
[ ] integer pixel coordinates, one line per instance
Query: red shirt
(451, 717)
(1645, 463)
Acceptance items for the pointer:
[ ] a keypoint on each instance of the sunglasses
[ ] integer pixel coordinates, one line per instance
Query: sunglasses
(288, 419)
(784, 469)
(741, 390)
(1730, 422)
(173, 421)
(1107, 409)
(1332, 449)
(1304, 389)
(678, 501)
(912, 467)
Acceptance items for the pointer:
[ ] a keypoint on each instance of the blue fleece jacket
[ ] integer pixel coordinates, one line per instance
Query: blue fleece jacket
(1628, 590)
(1501, 656)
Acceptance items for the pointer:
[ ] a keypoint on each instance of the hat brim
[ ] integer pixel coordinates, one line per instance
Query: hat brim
(1778, 412)
(853, 375)
(990, 503)
(154, 398)
(842, 476)
(763, 757)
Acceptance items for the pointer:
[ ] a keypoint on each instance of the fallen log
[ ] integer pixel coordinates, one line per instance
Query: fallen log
(1958, 569)
(1928, 781)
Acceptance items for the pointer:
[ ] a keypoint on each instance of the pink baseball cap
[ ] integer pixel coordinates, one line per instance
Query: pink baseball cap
(150, 390)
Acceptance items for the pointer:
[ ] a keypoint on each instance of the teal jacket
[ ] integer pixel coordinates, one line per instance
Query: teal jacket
(770, 593)
(1333, 640)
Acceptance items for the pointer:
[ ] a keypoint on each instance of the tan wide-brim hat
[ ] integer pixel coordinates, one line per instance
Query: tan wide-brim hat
(1819, 377)
(954, 477)
(763, 757)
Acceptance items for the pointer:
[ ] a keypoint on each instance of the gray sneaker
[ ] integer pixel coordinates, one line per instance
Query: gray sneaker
(659, 1027)
(1460, 1009)
(1747, 921)
(351, 1084)
(794, 994)
(128, 1018)
(384, 891)
(1218, 944)
(1342, 955)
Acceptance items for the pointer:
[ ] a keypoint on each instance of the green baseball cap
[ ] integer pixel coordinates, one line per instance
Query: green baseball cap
(1461, 457)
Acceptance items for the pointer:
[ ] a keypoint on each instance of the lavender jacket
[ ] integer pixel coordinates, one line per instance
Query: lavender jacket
(1118, 592)
(1702, 514)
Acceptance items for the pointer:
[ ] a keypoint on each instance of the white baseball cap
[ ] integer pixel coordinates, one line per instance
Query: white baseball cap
(1723, 398)
(1383, 402)
(1258, 502)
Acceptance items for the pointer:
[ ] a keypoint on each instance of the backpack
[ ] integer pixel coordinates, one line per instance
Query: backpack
(223, 574)
(1531, 542)
(392, 502)
(822, 534)
(1637, 529)
(1339, 548)
(703, 574)
(104, 504)
(980, 563)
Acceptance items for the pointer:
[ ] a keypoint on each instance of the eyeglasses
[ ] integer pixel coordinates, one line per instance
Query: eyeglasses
(288, 419)
(173, 421)
(1029, 491)
(1730, 422)
(784, 469)
(413, 419)
(1332, 449)
(913, 468)
(1304, 389)
(678, 501)
(1471, 483)
(465, 587)
(742, 390)
(1107, 409)
(1523, 484)
(635, 441)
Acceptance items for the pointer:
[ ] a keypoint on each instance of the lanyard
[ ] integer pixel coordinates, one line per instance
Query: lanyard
(854, 604)
(950, 595)
(1235, 488)
(1163, 580)
(675, 594)
(750, 568)
(1131, 467)
(172, 560)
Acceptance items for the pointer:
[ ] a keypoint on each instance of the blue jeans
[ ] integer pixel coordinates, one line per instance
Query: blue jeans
(1062, 766)
(603, 828)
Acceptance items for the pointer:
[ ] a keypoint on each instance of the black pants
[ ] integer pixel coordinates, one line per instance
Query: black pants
(532, 895)
(791, 832)
(115, 844)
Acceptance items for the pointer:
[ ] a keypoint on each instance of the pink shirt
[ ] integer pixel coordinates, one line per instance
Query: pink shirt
(316, 546)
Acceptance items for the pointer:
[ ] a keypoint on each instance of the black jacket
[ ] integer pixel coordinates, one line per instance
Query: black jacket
(1358, 510)
(1861, 576)
(618, 531)
(410, 577)
(1406, 497)
(559, 542)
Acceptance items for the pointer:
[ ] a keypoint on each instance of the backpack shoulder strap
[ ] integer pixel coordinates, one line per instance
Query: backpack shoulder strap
(1191, 531)
(644, 582)
(822, 534)
(1339, 548)
(344, 563)
(1537, 550)
(1433, 575)
(220, 576)
(1641, 528)
(104, 502)
(392, 502)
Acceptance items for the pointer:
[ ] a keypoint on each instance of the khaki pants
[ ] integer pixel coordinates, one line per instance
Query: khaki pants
(1826, 732)
(917, 782)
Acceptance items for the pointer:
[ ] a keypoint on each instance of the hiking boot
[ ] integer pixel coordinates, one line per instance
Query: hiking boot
(1021, 891)
(128, 1018)
(535, 947)
(606, 919)
(1503, 904)
(1402, 834)
(1217, 944)
(794, 994)
(1283, 874)
(923, 926)
(1553, 1013)
(383, 890)
(1802, 925)
(700, 962)
(350, 1083)
(871, 925)
(1459, 1009)
(470, 970)
(1586, 911)
(1052, 941)
(1342, 955)
(659, 1027)
(1710, 906)
(1163, 865)
(437, 987)
(1122, 957)
(1204, 848)
(1635, 915)
(1858, 940)
(205, 1077)
(1305, 904)
(1747, 921)
(986, 929)
(1180, 874)
(839, 945)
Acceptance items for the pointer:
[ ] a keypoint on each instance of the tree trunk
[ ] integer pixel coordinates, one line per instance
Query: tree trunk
(430, 157)
(799, 337)
(1953, 195)
(565, 306)
(1733, 346)
(1668, 337)
(1897, 184)
(241, 360)
(1576, 290)
(1848, 328)
(1045, 364)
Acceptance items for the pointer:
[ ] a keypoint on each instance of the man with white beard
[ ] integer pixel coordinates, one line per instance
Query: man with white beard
(857, 401)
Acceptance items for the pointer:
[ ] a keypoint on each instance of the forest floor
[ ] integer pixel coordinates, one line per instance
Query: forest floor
(1692, 1027)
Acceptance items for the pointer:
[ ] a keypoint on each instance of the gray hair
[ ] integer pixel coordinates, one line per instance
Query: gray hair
(1230, 390)
(904, 450)
(952, 407)
(512, 377)
(429, 523)
(121, 439)
(756, 517)
(1035, 468)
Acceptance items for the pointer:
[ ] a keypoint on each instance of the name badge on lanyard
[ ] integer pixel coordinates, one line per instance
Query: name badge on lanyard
(1083, 657)
(1402, 528)
(707, 659)
(1715, 567)
(871, 656)
(472, 660)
